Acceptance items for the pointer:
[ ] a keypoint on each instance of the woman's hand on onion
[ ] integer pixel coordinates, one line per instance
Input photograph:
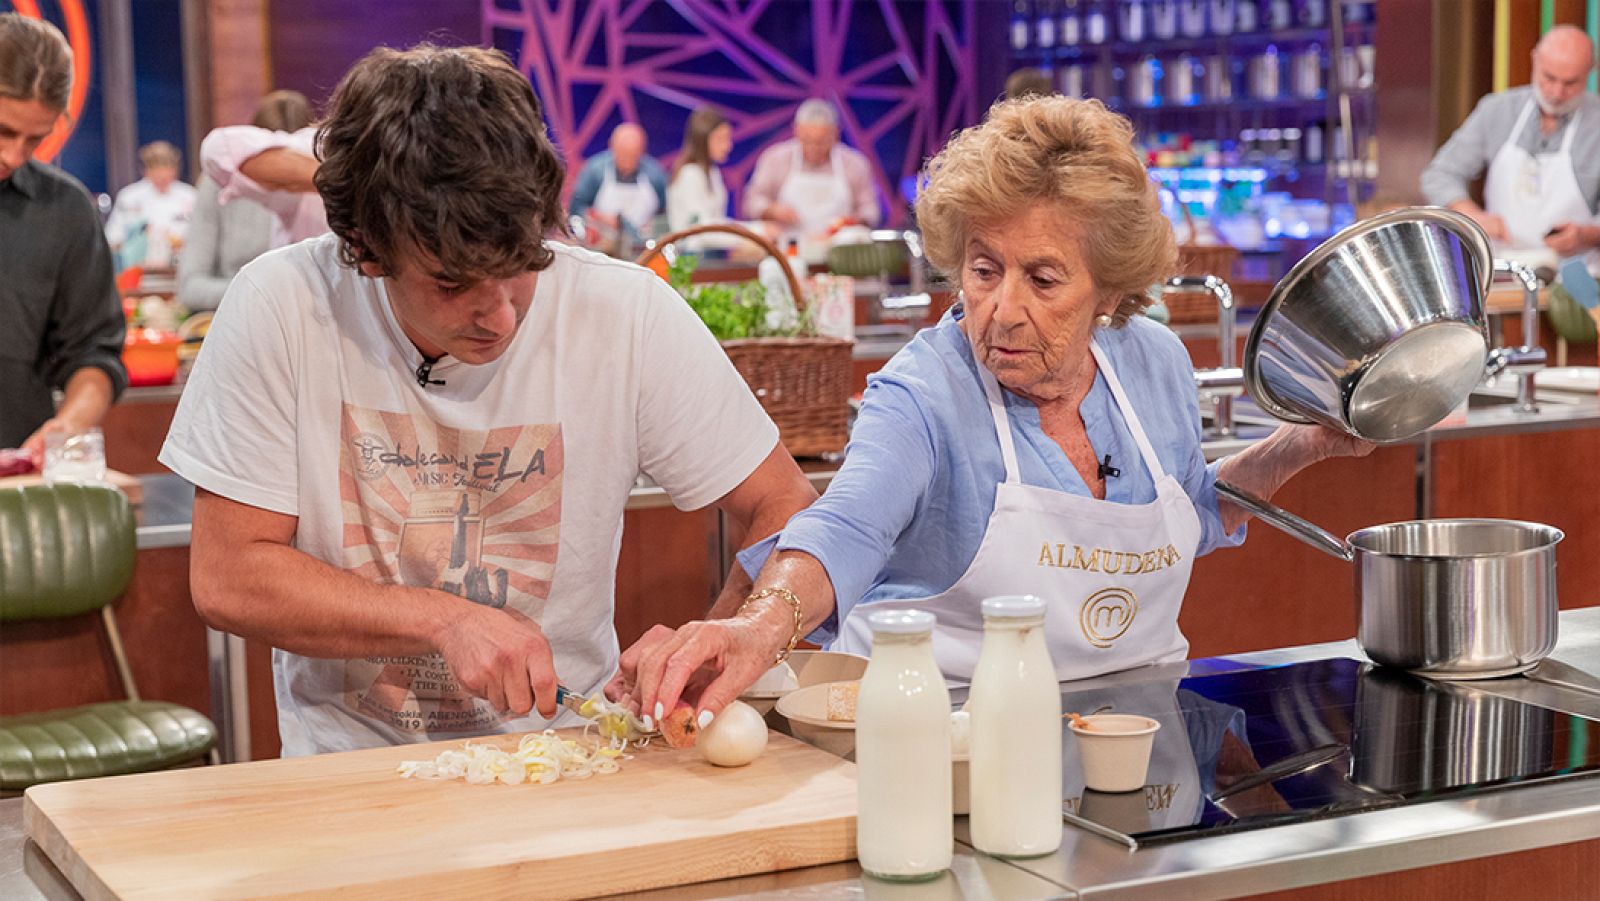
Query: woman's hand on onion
(708, 664)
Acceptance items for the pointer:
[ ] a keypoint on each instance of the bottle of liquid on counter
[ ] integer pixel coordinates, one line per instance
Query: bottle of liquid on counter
(781, 312)
(904, 821)
(1016, 734)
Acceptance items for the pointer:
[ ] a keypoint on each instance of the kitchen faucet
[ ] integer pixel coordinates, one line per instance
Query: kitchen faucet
(1221, 385)
(1525, 361)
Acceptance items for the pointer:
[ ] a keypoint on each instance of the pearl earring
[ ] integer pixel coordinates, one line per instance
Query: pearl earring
(1103, 320)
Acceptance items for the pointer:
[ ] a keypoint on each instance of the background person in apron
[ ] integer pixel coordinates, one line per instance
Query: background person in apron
(622, 184)
(810, 183)
(1540, 144)
(1043, 438)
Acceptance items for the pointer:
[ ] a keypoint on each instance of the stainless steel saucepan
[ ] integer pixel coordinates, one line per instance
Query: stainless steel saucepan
(1446, 598)
(1379, 332)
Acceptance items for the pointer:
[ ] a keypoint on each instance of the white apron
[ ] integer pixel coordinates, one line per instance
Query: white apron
(819, 199)
(1534, 193)
(637, 203)
(1113, 575)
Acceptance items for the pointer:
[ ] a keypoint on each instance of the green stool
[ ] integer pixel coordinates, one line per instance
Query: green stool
(68, 550)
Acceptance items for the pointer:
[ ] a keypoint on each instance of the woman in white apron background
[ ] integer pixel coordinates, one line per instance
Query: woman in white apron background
(1043, 438)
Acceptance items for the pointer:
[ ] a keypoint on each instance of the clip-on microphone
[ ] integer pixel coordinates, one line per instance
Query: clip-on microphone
(1106, 469)
(425, 370)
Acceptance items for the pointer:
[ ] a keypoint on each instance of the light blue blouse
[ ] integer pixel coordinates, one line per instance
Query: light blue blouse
(905, 514)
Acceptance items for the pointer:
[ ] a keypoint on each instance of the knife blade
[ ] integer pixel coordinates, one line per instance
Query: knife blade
(566, 697)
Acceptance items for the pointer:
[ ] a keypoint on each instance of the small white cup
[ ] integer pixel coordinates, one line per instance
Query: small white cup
(1114, 750)
(74, 456)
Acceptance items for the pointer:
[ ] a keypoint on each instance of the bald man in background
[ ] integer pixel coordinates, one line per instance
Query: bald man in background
(622, 183)
(1541, 146)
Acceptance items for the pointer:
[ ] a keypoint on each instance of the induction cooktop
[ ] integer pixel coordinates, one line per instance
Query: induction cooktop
(1287, 744)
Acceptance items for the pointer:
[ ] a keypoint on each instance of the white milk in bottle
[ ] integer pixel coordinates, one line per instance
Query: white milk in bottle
(904, 828)
(1016, 734)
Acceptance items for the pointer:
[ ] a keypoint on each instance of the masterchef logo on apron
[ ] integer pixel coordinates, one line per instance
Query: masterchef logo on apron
(1107, 614)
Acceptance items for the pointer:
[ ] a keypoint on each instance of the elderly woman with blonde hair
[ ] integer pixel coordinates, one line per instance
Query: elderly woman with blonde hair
(1043, 438)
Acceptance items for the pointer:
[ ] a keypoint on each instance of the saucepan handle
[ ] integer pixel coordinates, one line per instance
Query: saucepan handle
(1310, 533)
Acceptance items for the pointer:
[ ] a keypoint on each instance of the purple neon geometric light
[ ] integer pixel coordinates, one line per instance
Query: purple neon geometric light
(902, 74)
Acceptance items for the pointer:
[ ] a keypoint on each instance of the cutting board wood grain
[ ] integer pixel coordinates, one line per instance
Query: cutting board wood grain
(347, 824)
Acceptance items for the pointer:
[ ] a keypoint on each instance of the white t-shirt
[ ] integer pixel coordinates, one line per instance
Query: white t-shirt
(505, 484)
(164, 214)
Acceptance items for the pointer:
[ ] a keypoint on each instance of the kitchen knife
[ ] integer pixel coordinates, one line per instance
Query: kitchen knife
(566, 697)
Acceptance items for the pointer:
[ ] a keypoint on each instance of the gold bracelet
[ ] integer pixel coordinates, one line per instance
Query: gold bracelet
(799, 616)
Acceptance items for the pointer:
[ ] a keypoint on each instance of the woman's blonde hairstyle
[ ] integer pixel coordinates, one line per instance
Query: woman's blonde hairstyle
(1073, 153)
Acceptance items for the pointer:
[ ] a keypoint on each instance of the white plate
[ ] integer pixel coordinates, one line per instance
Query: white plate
(809, 705)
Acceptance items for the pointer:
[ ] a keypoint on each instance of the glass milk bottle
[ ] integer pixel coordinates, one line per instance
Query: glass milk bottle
(904, 824)
(1016, 734)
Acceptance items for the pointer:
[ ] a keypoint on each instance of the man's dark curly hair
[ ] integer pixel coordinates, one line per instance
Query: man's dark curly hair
(443, 151)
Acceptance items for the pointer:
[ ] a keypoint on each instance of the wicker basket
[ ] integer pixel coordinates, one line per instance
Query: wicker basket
(1199, 259)
(802, 383)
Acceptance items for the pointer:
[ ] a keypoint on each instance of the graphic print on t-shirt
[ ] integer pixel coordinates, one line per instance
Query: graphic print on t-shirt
(473, 513)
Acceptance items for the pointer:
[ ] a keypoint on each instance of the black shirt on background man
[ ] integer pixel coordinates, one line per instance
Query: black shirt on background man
(59, 310)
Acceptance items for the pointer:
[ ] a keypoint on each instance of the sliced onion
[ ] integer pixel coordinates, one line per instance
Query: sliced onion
(540, 757)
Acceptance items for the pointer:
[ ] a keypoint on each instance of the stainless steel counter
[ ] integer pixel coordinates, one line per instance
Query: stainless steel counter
(1087, 866)
(165, 517)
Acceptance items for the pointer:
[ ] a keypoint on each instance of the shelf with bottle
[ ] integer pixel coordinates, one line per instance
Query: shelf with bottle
(1217, 45)
(1300, 79)
(1245, 104)
(1301, 161)
(1091, 27)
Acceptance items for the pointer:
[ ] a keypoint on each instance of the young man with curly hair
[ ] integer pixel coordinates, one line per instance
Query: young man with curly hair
(413, 438)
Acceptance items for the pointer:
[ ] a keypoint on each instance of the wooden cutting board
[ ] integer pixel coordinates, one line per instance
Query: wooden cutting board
(348, 824)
